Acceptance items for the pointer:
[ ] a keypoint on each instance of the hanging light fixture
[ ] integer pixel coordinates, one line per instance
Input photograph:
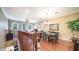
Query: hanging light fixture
(26, 20)
(47, 18)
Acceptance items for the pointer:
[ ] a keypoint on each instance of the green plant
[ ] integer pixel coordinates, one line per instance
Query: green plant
(74, 26)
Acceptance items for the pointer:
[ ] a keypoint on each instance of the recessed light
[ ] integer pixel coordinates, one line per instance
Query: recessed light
(27, 11)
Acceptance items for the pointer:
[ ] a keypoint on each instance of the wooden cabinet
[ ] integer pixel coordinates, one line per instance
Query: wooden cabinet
(25, 41)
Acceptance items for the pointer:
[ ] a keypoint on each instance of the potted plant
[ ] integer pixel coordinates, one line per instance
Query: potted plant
(74, 27)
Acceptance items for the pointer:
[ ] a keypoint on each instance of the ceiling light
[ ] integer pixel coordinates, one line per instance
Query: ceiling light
(27, 11)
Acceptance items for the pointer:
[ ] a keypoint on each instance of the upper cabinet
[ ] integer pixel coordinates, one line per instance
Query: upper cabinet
(22, 26)
(31, 26)
(15, 26)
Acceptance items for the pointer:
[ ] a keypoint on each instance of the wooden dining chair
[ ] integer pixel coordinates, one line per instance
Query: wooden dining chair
(36, 40)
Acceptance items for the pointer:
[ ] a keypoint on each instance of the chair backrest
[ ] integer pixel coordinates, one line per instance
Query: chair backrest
(54, 34)
(36, 36)
(25, 41)
(36, 39)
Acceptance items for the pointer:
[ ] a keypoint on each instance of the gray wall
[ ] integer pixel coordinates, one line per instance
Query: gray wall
(3, 26)
(3, 20)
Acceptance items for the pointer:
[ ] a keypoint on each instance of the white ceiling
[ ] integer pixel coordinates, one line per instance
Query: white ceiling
(35, 14)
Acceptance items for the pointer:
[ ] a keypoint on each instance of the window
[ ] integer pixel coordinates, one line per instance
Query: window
(23, 26)
(14, 26)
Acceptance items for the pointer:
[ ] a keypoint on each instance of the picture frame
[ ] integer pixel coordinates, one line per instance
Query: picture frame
(54, 27)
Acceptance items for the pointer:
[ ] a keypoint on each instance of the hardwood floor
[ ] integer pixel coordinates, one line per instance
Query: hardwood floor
(62, 45)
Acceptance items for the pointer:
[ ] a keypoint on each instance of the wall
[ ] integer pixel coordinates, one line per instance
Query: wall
(3, 26)
(65, 33)
(3, 20)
